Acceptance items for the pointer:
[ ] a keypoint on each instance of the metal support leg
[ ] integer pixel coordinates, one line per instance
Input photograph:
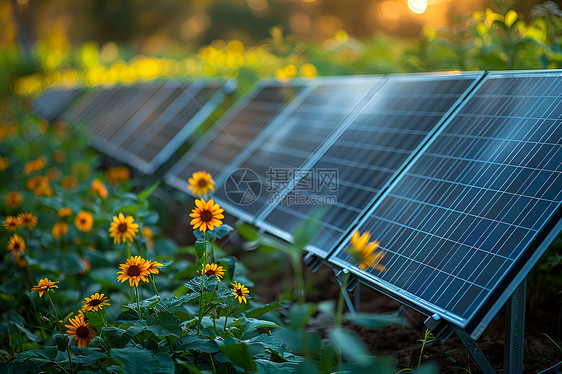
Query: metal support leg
(345, 292)
(515, 330)
(476, 353)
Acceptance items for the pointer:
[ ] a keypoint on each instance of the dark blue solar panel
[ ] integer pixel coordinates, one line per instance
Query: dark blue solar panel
(472, 213)
(238, 128)
(52, 103)
(367, 154)
(291, 142)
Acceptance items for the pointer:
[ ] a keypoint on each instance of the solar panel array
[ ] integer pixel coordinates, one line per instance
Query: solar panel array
(365, 156)
(236, 130)
(52, 103)
(468, 213)
(144, 124)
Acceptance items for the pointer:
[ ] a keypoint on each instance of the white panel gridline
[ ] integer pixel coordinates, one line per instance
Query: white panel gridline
(460, 219)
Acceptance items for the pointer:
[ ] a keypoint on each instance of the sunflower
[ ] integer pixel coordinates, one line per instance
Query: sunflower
(134, 270)
(201, 183)
(16, 244)
(239, 292)
(213, 269)
(81, 330)
(94, 302)
(99, 189)
(207, 215)
(37, 181)
(84, 221)
(44, 285)
(123, 228)
(63, 212)
(69, 182)
(118, 174)
(13, 200)
(364, 252)
(11, 223)
(147, 233)
(153, 268)
(60, 229)
(27, 219)
(35, 165)
(20, 260)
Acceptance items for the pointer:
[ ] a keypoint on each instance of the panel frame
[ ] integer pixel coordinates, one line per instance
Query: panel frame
(261, 221)
(476, 324)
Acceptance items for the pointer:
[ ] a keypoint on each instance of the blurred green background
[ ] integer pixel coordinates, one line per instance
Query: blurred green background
(90, 42)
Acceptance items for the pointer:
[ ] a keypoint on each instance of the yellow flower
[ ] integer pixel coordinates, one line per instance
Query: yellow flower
(60, 229)
(207, 215)
(16, 244)
(35, 165)
(36, 181)
(69, 182)
(201, 182)
(44, 285)
(95, 302)
(13, 200)
(123, 228)
(118, 174)
(64, 212)
(213, 269)
(81, 330)
(153, 268)
(59, 155)
(4, 163)
(99, 189)
(43, 190)
(239, 292)
(53, 174)
(11, 223)
(364, 252)
(27, 220)
(84, 221)
(147, 233)
(20, 260)
(134, 270)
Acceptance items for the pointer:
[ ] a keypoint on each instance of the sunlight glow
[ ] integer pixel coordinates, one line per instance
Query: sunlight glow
(418, 6)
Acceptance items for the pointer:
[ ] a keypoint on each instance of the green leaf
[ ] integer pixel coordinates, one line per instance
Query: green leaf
(88, 357)
(247, 231)
(129, 316)
(164, 325)
(143, 195)
(374, 321)
(300, 315)
(309, 228)
(230, 264)
(352, 348)
(95, 318)
(118, 338)
(62, 343)
(261, 310)
(218, 232)
(196, 342)
(239, 354)
(137, 361)
(172, 302)
(200, 249)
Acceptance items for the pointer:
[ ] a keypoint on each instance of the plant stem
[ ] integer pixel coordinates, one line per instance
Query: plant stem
(299, 280)
(154, 284)
(212, 252)
(227, 314)
(138, 304)
(343, 288)
(128, 250)
(60, 329)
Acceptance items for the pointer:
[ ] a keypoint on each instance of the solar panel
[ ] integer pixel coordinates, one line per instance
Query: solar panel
(52, 103)
(290, 142)
(467, 219)
(162, 124)
(238, 128)
(364, 157)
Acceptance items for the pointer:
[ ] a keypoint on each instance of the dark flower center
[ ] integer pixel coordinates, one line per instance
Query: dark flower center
(95, 302)
(83, 221)
(133, 270)
(206, 215)
(82, 332)
(210, 272)
(16, 246)
(122, 227)
(239, 292)
(202, 182)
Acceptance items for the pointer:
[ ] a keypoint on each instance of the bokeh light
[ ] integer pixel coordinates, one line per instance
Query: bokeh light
(418, 6)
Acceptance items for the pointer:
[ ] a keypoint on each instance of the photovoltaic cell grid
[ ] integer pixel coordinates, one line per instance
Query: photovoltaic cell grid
(163, 123)
(291, 142)
(242, 124)
(367, 154)
(465, 218)
(51, 104)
